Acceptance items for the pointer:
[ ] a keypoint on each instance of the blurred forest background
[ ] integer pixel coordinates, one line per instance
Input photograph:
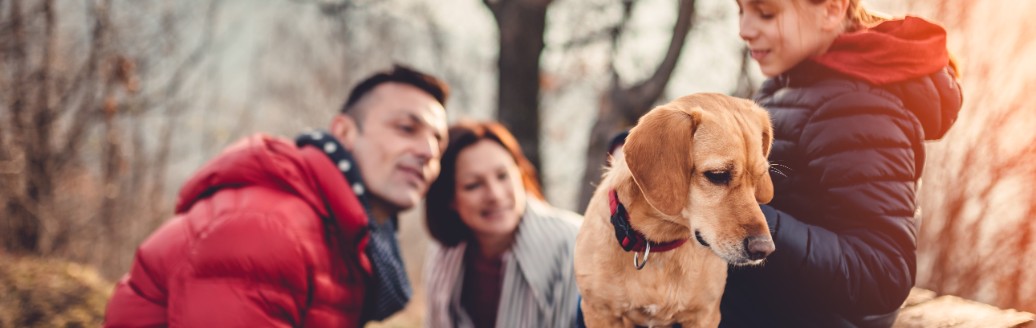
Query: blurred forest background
(106, 107)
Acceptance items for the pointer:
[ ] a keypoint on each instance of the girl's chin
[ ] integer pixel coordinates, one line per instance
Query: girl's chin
(771, 72)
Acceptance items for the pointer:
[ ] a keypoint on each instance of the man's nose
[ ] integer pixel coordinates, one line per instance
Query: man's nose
(426, 150)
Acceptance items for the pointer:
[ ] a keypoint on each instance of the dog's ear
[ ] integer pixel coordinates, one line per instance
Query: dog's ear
(659, 154)
(764, 187)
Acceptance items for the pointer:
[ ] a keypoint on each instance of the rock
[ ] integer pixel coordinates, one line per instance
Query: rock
(923, 309)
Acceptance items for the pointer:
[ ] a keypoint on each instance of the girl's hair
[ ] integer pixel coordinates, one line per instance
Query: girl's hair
(442, 220)
(858, 16)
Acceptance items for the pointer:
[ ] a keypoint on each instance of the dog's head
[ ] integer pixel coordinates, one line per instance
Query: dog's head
(702, 159)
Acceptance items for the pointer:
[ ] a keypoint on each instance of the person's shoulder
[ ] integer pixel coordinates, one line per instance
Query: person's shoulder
(553, 216)
(837, 96)
(270, 229)
(553, 224)
(821, 92)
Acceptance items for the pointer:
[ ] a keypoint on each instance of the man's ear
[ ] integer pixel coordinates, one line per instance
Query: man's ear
(344, 128)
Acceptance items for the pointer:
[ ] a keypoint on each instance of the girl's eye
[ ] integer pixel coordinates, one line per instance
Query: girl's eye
(501, 176)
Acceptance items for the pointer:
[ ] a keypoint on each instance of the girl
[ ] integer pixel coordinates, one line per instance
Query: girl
(506, 256)
(853, 98)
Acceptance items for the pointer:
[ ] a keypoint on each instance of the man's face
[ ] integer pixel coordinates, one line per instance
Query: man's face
(397, 145)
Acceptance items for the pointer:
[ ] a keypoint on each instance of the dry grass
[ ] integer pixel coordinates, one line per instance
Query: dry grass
(50, 293)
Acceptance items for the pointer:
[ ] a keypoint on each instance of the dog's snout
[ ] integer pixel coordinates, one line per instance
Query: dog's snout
(758, 248)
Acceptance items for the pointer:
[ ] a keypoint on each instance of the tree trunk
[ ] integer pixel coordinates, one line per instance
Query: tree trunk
(620, 106)
(521, 24)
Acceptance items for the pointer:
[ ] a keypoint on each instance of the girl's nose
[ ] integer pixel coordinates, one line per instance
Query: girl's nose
(746, 31)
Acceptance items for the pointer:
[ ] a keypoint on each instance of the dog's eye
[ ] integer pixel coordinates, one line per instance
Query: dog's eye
(718, 177)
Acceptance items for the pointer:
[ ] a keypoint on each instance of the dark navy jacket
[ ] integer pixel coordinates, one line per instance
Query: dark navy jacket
(844, 220)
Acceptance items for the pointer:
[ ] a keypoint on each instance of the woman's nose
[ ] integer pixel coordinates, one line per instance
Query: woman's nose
(497, 191)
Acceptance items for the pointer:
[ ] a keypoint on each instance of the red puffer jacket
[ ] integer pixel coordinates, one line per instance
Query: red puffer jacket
(249, 247)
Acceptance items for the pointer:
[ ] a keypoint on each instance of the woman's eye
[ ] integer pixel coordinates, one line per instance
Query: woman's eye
(470, 186)
(766, 15)
(501, 176)
(718, 177)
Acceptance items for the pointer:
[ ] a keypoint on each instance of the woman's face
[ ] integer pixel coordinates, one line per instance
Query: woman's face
(782, 33)
(489, 196)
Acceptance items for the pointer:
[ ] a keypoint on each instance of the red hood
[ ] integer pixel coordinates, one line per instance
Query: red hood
(275, 163)
(893, 51)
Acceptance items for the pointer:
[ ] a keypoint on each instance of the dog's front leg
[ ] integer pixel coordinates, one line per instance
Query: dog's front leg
(705, 319)
(596, 318)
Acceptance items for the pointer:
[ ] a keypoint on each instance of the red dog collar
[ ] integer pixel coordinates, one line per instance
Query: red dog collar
(630, 239)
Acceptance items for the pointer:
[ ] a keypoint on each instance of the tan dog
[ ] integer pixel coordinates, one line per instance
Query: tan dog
(694, 169)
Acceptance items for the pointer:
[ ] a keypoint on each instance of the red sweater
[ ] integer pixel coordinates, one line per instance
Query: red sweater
(248, 247)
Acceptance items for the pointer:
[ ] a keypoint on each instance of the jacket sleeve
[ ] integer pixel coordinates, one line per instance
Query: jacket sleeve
(243, 273)
(857, 252)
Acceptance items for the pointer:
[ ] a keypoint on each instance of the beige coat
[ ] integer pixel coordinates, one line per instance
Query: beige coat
(539, 287)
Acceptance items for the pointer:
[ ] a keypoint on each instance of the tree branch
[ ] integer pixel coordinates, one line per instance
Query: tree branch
(86, 109)
(648, 91)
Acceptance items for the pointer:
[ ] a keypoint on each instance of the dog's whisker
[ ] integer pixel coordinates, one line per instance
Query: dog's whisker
(782, 166)
(778, 171)
(781, 169)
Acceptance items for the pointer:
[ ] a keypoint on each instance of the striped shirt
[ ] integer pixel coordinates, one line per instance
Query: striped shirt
(539, 286)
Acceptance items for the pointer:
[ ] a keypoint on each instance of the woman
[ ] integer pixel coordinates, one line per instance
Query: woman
(853, 97)
(504, 256)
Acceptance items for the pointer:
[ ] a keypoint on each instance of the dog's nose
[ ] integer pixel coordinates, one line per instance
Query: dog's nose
(758, 248)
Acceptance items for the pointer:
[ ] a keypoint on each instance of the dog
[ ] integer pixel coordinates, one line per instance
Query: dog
(686, 198)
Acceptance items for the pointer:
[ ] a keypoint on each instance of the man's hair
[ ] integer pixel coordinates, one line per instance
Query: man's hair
(399, 74)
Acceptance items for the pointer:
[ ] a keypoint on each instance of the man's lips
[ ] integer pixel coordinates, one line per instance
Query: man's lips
(413, 173)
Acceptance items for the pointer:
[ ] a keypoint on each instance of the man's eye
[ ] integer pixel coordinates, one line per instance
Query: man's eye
(407, 128)
(718, 177)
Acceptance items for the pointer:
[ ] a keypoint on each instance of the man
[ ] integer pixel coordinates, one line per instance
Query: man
(295, 234)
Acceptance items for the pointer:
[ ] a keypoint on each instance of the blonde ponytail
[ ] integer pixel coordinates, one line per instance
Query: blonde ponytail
(861, 18)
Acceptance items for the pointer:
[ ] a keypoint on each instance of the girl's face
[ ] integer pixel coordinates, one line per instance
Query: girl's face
(782, 33)
(489, 196)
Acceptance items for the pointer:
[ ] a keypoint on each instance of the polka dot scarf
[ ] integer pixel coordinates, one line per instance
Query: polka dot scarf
(389, 288)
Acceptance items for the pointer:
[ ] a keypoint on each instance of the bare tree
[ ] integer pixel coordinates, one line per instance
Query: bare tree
(620, 106)
(521, 24)
(80, 170)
